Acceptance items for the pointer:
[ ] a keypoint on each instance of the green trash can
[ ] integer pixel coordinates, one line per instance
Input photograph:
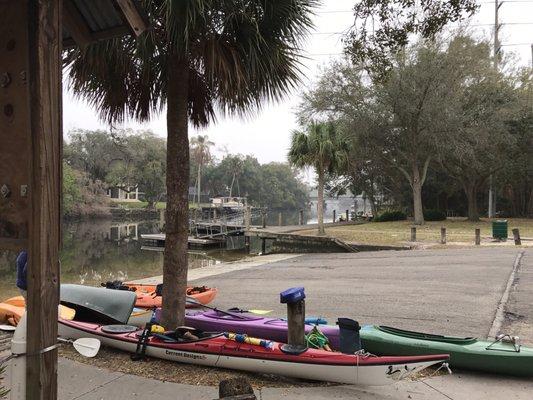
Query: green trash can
(499, 229)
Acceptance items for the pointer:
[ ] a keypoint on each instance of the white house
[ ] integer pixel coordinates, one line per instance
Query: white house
(121, 195)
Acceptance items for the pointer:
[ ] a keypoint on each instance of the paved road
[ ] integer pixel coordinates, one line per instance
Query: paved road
(447, 291)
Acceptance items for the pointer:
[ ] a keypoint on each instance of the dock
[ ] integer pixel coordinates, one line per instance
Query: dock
(157, 240)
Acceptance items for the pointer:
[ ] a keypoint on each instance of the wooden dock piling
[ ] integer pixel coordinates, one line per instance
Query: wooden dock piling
(334, 215)
(478, 236)
(296, 323)
(347, 215)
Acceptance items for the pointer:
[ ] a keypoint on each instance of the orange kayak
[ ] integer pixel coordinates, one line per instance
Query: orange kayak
(12, 309)
(147, 297)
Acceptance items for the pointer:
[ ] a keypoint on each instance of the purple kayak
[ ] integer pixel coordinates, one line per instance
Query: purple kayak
(252, 325)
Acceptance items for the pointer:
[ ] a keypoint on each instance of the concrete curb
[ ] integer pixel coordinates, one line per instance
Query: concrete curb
(500, 310)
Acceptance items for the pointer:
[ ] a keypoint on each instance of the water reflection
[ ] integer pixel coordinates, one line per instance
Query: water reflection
(98, 251)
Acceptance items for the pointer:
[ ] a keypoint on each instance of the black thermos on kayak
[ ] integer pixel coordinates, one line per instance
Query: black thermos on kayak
(350, 341)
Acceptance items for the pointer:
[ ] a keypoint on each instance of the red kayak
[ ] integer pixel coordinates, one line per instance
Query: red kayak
(217, 350)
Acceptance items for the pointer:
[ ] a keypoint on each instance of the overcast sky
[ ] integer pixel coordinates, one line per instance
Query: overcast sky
(266, 135)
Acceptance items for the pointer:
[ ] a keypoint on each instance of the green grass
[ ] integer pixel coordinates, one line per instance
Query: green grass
(458, 230)
(194, 205)
(140, 204)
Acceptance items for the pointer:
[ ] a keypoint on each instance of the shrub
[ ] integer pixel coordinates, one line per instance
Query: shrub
(434, 215)
(391, 216)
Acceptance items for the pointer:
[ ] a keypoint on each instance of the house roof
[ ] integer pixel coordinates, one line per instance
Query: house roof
(87, 21)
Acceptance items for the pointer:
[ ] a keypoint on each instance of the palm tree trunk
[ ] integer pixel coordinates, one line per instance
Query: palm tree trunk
(198, 180)
(320, 205)
(175, 262)
(231, 187)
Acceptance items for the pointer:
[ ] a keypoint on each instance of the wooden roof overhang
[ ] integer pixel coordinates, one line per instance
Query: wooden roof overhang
(87, 21)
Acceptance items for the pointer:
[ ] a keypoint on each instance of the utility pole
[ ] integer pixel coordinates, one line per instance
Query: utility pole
(497, 47)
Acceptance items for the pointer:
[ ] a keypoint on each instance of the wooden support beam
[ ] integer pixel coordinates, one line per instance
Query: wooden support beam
(44, 47)
(133, 16)
(76, 25)
(110, 33)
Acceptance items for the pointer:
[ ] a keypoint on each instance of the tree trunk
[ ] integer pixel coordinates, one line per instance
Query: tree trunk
(471, 195)
(175, 262)
(231, 187)
(198, 180)
(320, 205)
(416, 185)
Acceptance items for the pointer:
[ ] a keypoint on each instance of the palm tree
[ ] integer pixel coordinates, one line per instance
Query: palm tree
(199, 56)
(325, 149)
(236, 168)
(201, 150)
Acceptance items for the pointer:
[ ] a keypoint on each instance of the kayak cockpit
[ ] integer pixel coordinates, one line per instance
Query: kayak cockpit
(426, 336)
(184, 334)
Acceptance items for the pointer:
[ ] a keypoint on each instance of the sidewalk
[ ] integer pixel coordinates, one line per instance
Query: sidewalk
(82, 382)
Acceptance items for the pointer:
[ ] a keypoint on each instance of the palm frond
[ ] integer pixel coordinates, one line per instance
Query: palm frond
(241, 54)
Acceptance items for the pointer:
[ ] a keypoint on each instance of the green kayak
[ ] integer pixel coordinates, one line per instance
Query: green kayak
(503, 356)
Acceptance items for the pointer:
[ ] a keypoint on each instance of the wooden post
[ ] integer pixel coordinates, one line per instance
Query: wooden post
(43, 72)
(301, 217)
(413, 234)
(247, 244)
(295, 300)
(263, 219)
(478, 236)
(263, 246)
(334, 215)
(516, 236)
(443, 235)
(296, 323)
(247, 217)
(347, 215)
(279, 219)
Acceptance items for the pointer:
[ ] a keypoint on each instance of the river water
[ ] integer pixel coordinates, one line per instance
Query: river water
(97, 251)
(101, 250)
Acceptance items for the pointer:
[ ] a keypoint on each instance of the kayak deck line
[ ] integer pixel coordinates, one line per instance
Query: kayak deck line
(426, 336)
